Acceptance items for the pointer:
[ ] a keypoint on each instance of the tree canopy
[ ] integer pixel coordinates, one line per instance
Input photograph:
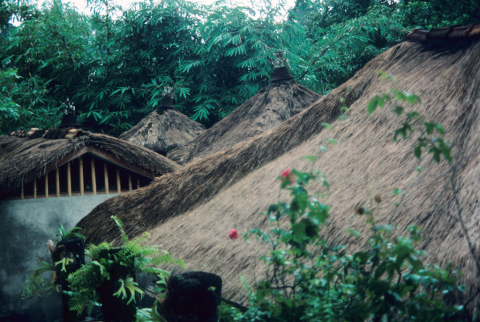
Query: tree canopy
(114, 63)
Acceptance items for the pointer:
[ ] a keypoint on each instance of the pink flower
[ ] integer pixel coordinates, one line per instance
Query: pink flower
(233, 234)
(287, 174)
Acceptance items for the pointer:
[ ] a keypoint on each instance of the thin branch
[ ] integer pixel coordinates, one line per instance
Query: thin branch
(472, 297)
(235, 305)
(462, 224)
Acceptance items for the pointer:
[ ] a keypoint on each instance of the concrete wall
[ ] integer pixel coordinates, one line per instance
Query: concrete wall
(26, 225)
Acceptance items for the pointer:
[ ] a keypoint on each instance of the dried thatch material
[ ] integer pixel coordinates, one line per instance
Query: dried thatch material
(191, 211)
(163, 131)
(23, 154)
(269, 107)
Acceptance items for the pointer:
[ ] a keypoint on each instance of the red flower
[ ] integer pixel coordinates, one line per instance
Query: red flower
(287, 174)
(233, 234)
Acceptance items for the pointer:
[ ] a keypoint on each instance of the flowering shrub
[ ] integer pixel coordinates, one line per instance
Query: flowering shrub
(310, 278)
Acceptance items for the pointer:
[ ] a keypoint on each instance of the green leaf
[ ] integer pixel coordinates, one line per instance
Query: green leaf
(413, 115)
(64, 262)
(132, 287)
(398, 110)
(354, 233)
(397, 191)
(310, 158)
(375, 102)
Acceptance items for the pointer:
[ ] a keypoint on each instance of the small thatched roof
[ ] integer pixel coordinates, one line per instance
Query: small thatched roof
(191, 210)
(163, 130)
(25, 155)
(269, 107)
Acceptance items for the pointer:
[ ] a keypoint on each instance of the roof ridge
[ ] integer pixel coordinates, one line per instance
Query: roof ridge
(52, 134)
(445, 34)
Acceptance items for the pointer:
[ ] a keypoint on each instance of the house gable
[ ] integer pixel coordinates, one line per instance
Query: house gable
(88, 170)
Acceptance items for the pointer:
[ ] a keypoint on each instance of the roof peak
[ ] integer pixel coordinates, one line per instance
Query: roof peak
(281, 73)
(445, 34)
(69, 119)
(167, 99)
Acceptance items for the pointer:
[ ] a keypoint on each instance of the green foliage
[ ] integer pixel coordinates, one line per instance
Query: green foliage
(128, 284)
(10, 111)
(427, 14)
(149, 315)
(432, 133)
(71, 234)
(134, 256)
(114, 70)
(344, 36)
(36, 284)
(114, 64)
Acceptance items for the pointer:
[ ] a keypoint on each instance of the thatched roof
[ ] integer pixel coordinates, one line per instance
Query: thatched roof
(191, 210)
(24, 155)
(163, 130)
(269, 107)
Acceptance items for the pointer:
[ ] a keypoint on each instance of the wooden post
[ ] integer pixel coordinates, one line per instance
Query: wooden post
(105, 172)
(46, 185)
(119, 188)
(35, 188)
(57, 184)
(82, 187)
(22, 193)
(69, 178)
(94, 180)
(129, 182)
(138, 183)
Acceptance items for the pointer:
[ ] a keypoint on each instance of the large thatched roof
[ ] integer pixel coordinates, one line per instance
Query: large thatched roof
(163, 130)
(191, 211)
(269, 107)
(23, 155)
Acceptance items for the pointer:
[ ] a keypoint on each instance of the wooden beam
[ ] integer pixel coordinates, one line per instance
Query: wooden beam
(119, 187)
(35, 188)
(94, 179)
(82, 186)
(129, 182)
(22, 193)
(57, 183)
(110, 157)
(138, 183)
(46, 185)
(105, 172)
(69, 179)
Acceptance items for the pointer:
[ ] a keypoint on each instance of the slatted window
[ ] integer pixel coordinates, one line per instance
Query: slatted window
(85, 175)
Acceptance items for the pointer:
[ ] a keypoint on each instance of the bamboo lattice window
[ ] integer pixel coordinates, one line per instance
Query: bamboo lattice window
(90, 173)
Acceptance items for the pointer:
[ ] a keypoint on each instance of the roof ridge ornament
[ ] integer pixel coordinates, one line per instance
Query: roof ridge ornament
(167, 99)
(281, 73)
(69, 119)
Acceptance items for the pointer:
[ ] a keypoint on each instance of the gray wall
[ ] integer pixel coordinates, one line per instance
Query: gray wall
(26, 225)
